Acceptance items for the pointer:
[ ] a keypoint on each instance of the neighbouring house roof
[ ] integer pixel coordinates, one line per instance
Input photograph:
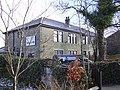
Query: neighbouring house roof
(114, 34)
(113, 43)
(2, 50)
(54, 24)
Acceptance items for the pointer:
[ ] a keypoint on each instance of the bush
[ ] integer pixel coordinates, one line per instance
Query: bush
(110, 72)
(34, 73)
(3, 70)
(29, 76)
(59, 74)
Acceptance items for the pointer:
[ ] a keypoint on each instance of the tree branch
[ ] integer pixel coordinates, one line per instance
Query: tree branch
(26, 68)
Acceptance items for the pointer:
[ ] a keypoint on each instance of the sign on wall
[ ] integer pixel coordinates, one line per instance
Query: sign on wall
(30, 40)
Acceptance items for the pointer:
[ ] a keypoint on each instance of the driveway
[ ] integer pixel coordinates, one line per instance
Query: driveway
(115, 87)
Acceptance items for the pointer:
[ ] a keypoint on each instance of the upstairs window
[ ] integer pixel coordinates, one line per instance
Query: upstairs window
(84, 39)
(69, 38)
(55, 35)
(58, 36)
(30, 40)
(72, 38)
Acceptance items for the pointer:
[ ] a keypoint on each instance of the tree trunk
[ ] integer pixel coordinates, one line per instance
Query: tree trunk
(14, 83)
(95, 53)
(101, 45)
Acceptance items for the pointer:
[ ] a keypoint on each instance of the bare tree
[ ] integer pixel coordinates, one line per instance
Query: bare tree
(15, 67)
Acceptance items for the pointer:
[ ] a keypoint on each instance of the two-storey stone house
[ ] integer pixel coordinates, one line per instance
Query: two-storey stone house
(43, 38)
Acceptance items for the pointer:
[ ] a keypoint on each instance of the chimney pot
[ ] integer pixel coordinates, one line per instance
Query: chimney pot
(67, 20)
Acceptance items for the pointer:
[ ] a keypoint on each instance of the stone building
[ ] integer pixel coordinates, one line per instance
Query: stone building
(43, 38)
(113, 43)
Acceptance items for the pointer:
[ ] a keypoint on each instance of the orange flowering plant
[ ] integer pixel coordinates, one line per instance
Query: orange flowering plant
(75, 73)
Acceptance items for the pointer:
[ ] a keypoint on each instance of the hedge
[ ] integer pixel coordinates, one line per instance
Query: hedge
(59, 74)
(31, 75)
(110, 72)
(3, 69)
(110, 69)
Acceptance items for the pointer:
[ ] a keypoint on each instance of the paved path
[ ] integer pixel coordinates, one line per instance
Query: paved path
(116, 87)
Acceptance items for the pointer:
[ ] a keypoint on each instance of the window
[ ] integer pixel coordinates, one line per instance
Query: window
(58, 52)
(18, 54)
(75, 39)
(85, 39)
(58, 36)
(55, 36)
(72, 52)
(75, 52)
(72, 38)
(85, 53)
(69, 38)
(30, 55)
(30, 40)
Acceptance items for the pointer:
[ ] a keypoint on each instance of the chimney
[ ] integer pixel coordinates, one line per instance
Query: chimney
(67, 20)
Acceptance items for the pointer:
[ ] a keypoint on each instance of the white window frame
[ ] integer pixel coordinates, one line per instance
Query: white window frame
(55, 36)
(30, 40)
(72, 38)
(58, 36)
(73, 52)
(84, 39)
(58, 51)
